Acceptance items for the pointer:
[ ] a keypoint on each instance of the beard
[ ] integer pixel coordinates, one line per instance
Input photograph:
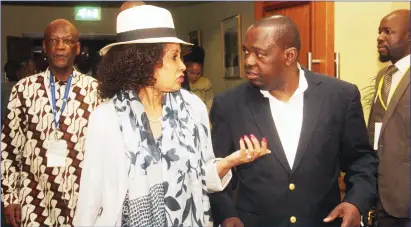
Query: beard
(394, 52)
(258, 83)
(384, 57)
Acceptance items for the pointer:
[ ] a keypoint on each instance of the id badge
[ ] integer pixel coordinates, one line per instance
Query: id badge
(56, 153)
(377, 132)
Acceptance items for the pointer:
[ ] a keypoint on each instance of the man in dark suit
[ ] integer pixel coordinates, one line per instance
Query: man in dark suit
(314, 126)
(389, 123)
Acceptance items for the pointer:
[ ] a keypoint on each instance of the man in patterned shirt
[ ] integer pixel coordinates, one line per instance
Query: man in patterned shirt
(43, 135)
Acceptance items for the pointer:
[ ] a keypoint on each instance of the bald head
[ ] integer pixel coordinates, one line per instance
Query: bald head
(61, 24)
(283, 30)
(130, 4)
(401, 15)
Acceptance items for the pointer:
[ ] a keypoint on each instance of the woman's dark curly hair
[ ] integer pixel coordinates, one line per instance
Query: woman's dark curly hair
(128, 67)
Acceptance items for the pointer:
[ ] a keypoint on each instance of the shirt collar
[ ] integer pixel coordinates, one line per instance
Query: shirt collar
(302, 85)
(403, 64)
(76, 75)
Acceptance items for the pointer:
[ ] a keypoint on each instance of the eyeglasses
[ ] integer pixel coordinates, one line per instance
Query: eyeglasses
(67, 42)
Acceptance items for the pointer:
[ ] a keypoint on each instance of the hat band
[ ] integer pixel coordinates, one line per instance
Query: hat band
(145, 33)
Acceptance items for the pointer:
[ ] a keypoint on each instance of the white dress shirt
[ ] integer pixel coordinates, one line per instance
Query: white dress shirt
(402, 65)
(288, 118)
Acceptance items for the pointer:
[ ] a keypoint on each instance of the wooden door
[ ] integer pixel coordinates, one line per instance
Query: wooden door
(315, 22)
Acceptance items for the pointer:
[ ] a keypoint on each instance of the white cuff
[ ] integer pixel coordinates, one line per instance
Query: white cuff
(213, 181)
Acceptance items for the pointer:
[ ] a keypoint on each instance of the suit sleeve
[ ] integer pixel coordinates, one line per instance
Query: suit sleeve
(359, 160)
(222, 203)
(13, 140)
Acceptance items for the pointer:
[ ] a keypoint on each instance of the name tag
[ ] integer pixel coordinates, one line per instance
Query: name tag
(377, 132)
(56, 153)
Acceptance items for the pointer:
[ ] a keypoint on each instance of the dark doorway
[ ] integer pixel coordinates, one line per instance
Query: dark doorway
(30, 47)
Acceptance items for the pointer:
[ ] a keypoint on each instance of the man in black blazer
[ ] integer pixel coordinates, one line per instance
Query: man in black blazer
(314, 127)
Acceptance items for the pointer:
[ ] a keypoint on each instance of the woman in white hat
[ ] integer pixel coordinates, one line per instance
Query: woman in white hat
(149, 159)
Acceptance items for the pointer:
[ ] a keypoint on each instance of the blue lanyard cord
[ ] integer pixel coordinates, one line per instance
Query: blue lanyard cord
(53, 98)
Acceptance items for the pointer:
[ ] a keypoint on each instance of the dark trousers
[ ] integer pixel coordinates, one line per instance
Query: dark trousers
(386, 220)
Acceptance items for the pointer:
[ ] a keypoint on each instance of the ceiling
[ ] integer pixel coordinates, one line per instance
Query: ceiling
(114, 4)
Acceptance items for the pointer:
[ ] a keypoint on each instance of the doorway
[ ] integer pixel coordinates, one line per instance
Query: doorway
(29, 46)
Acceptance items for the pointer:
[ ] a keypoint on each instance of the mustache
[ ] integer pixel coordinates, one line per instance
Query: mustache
(251, 70)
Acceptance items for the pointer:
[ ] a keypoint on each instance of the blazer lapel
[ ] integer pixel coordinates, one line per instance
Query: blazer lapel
(311, 109)
(260, 110)
(401, 88)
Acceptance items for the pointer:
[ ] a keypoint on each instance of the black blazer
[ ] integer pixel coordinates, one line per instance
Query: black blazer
(333, 139)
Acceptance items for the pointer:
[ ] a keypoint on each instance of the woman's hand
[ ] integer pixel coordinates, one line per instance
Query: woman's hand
(250, 150)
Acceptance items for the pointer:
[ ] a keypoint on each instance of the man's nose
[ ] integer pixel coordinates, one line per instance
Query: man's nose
(249, 60)
(380, 37)
(60, 44)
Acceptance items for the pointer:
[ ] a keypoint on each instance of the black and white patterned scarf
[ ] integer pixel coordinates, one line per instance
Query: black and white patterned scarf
(166, 181)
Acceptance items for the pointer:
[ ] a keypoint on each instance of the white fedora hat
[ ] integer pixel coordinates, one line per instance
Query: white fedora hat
(144, 24)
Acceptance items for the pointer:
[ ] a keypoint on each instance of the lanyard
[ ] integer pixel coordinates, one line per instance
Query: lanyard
(385, 105)
(53, 98)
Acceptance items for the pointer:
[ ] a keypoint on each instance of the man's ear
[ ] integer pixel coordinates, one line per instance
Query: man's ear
(290, 55)
(44, 47)
(78, 48)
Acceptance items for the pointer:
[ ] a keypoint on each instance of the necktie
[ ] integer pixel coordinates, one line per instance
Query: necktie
(378, 110)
